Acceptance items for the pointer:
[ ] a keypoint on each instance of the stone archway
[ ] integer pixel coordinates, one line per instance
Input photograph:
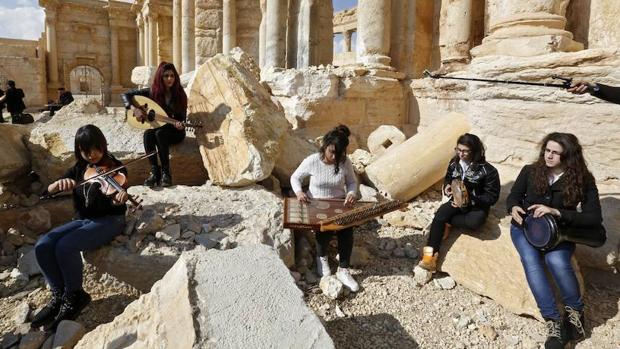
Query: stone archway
(87, 82)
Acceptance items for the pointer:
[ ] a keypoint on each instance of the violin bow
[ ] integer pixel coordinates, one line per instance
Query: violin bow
(50, 196)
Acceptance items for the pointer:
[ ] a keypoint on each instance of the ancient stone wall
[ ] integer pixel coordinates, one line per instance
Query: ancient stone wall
(594, 22)
(208, 29)
(24, 62)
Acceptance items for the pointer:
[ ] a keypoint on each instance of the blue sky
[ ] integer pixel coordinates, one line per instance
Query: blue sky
(23, 19)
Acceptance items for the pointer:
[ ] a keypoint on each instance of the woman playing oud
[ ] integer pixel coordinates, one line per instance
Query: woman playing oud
(169, 94)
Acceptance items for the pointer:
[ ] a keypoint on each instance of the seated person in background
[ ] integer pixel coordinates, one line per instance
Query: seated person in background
(482, 182)
(331, 177)
(64, 98)
(14, 99)
(605, 92)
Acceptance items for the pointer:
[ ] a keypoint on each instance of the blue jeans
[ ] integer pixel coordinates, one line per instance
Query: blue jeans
(58, 252)
(558, 263)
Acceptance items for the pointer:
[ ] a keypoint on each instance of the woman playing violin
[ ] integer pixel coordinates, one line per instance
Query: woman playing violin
(169, 94)
(99, 218)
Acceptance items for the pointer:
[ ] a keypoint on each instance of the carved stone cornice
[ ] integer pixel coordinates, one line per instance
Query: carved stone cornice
(51, 5)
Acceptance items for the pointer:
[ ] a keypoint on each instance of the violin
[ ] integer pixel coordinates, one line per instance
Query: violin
(110, 181)
(113, 182)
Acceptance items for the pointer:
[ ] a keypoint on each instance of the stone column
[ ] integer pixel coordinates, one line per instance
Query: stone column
(187, 31)
(526, 28)
(455, 31)
(347, 40)
(52, 50)
(147, 40)
(306, 33)
(262, 34)
(229, 27)
(275, 40)
(373, 32)
(177, 13)
(116, 73)
(140, 24)
(153, 40)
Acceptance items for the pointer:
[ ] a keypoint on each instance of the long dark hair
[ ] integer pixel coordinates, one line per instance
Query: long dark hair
(576, 173)
(88, 138)
(339, 138)
(475, 146)
(158, 90)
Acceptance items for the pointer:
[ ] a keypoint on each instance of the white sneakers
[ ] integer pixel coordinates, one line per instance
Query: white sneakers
(343, 274)
(345, 277)
(322, 266)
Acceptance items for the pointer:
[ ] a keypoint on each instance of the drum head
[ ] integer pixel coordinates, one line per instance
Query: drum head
(538, 231)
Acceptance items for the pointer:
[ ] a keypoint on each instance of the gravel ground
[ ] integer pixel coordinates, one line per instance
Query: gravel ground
(390, 311)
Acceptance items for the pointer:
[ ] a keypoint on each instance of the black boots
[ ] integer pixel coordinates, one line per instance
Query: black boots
(49, 311)
(72, 304)
(155, 177)
(574, 323)
(556, 334)
(166, 178)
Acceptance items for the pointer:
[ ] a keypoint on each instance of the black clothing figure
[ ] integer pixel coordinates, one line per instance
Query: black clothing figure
(64, 98)
(1, 106)
(160, 138)
(14, 99)
(608, 93)
(483, 185)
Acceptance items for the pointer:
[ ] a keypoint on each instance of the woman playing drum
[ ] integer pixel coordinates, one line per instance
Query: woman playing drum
(478, 184)
(555, 184)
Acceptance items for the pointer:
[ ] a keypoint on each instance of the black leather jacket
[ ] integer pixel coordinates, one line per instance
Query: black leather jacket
(481, 180)
(608, 93)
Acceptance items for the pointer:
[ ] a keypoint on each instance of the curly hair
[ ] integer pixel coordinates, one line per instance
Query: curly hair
(158, 89)
(339, 138)
(576, 173)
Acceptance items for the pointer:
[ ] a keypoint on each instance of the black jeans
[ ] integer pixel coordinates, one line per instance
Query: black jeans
(345, 244)
(161, 138)
(470, 219)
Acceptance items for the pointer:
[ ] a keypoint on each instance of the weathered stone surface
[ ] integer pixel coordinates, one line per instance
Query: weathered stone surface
(14, 156)
(317, 99)
(294, 151)
(81, 106)
(143, 76)
(60, 211)
(236, 308)
(68, 334)
(245, 216)
(384, 138)
(242, 127)
(331, 286)
(413, 166)
(27, 261)
(51, 145)
(32, 340)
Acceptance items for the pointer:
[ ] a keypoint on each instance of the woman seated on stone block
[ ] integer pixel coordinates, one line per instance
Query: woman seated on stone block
(331, 177)
(480, 179)
(98, 220)
(169, 94)
(555, 184)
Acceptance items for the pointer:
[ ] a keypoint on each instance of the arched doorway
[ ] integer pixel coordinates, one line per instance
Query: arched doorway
(87, 82)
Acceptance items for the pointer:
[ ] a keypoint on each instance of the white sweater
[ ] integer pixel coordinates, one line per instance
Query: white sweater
(324, 183)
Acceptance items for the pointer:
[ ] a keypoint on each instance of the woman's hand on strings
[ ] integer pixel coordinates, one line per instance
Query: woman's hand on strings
(139, 114)
(448, 190)
(302, 197)
(179, 125)
(350, 199)
(121, 197)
